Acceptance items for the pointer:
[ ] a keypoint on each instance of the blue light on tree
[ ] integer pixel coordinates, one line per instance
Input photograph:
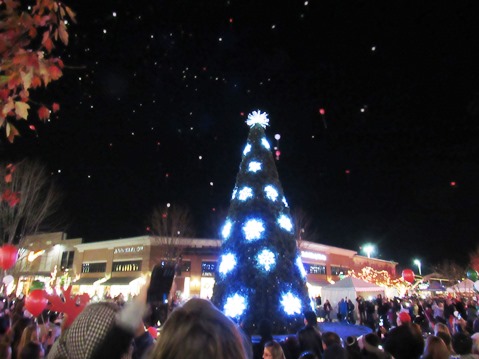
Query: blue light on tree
(227, 263)
(291, 304)
(266, 259)
(226, 231)
(245, 193)
(234, 193)
(271, 192)
(235, 306)
(265, 143)
(247, 149)
(285, 222)
(253, 229)
(285, 202)
(254, 166)
(299, 264)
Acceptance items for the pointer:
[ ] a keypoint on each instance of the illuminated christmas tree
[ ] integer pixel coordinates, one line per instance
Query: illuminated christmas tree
(259, 273)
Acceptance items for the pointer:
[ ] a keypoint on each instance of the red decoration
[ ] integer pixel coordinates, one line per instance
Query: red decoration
(153, 332)
(36, 301)
(452, 184)
(70, 306)
(408, 275)
(322, 111)
(8, 256)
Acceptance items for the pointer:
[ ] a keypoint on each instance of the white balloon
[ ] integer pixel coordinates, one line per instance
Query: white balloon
(7, 279)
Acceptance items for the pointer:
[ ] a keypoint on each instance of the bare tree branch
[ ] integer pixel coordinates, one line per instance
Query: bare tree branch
(39, 200)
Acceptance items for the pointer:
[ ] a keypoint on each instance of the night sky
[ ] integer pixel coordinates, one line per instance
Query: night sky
(150, 86)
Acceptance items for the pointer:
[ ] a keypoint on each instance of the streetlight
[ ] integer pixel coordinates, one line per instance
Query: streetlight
(418, 263)
(368, 249)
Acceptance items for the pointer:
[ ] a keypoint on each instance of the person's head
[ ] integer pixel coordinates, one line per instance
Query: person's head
(462, 343)
(435, 349)
(52, 317)
(4, 325)
(31, 351)
(310, 318)
(330, 338)
(441, 327)
(352, 344)
(446, 338)
(273, 350)
(198, 327)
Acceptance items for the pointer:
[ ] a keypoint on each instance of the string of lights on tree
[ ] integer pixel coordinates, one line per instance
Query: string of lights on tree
(260, 273)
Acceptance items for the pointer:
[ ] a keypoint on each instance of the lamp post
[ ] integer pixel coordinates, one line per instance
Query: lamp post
(368, 249)
(418, 263)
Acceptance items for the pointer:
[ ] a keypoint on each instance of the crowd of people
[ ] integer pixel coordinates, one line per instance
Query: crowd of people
(434, 328)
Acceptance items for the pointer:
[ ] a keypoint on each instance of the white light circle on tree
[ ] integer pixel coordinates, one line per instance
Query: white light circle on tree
(228, 262)
(291, 304)
(271, 193)
(247, 149)
(285, 202)
(300, 265)
(266, 259)
(235, 306)
(253, 229)
(277, 136)
(285, 222)
(245, 193)
(226, 231)
(234, 193)
(254, 166)
(265, 143)
(258, 118)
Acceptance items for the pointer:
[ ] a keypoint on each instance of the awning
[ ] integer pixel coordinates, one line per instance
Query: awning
(318, 282)
(86, 281)
(119, 281)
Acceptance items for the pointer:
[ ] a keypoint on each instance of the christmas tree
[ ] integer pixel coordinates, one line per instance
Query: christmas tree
(259, 273)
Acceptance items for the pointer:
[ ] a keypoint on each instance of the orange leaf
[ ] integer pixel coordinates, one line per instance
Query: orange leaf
(55, 107)
(47, 41)
(62, 31)
(55, 72)
(21, 109)
(43, 113)
(11, 132)
(36, 82)
(32, 32)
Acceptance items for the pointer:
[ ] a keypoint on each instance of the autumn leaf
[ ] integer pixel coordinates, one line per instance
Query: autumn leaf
(21, 109)
(62, 31)
(71, 14)
(43, 113)
(27, 78)
(11, 132)
(55, 72)
(47, 41)
(36, 82)
(55, 107)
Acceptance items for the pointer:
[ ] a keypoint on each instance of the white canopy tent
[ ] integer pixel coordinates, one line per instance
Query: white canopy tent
(464, 287)
(351, 288)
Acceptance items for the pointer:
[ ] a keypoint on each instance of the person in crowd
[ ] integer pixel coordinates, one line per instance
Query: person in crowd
(435, 349)
(51, 331)
(327, 310)
(265, 330)
(31, 334)
(475, 343)
(438, 311)
(143, 343)
(350, 315)
(332, 348)
(342, 310)
(352, 347)
(462, 345)
(5, 340)
(273, 350)
(308, 355)
(291, 347)
(449, 309)
(32, 350)
(18, 326)
(447, 339)
(309, 336)
(361, 309)
(370, 347)
(405, 341)
(198, 327)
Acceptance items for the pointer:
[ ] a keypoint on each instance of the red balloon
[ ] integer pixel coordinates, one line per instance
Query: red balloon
(36, 302)
(408, 275)
(8, 256)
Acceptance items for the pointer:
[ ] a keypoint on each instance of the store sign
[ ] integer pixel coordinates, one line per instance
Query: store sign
(313, 255)
(122, 250)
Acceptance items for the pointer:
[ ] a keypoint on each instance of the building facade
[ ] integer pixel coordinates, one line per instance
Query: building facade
(113, 267)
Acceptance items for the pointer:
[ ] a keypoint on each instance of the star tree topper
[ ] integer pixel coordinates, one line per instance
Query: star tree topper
(258, 117)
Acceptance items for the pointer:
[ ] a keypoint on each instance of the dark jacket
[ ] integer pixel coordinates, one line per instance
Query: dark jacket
(309, 338)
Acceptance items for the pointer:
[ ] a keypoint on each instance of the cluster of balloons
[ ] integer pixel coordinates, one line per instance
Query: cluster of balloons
(8, 256)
